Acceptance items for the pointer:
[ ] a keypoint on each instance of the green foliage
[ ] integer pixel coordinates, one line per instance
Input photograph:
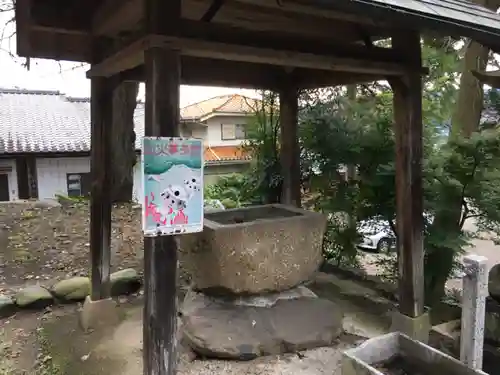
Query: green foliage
(233, 191)
(261, 184)
(72, 200)
(263, 136)
(461, 177)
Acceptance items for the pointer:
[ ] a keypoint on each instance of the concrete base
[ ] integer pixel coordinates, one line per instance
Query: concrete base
(99, 313)
(416, 328)
(446, 337)
(364, 359)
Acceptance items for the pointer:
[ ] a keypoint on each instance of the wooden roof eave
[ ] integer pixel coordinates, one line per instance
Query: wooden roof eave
(491, 78)
(461, 19)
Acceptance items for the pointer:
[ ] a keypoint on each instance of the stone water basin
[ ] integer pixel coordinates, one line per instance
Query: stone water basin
(254, 250)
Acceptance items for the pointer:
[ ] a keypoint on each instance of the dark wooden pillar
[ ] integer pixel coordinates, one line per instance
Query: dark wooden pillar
(290, 155)
(100, 198)
(409, 219)
(32, 177)
(26, 177)
(160, 254)
(23, 188)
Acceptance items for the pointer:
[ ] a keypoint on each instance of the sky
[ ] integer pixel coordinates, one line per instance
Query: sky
(69, 78)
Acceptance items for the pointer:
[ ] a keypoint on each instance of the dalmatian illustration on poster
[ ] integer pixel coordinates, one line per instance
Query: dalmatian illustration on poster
(172, 186)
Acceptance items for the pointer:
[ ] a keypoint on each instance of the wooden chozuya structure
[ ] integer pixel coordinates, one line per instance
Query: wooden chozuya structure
(283, 45)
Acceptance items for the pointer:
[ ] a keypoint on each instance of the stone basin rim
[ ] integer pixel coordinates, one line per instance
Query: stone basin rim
(302, 214)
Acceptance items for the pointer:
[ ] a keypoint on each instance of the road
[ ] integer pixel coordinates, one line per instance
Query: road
(485, 248)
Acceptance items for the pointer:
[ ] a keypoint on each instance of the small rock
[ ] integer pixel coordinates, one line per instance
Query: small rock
(74, 289)
(122, 300)
(126, 281)
(7, 306)
(47, 203)
(35, 297)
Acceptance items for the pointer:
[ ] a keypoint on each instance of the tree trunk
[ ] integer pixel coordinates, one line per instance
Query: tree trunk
(469, 103)
(351, 168)
(465, 121)
(123, 156)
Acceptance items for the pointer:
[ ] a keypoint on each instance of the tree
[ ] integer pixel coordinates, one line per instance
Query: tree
(457, 179)
(461, 174)
(461, 169)
(263, 135)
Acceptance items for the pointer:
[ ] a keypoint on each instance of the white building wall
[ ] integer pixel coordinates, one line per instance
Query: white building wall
(199, 132)
(52, 173)
(138, 182)
(12, 176)
(214, 134)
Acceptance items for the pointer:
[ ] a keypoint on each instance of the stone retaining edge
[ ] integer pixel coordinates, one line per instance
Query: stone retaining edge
(444, 312)
(123, 282)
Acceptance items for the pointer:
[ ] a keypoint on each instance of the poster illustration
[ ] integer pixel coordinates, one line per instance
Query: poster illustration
(173, 186)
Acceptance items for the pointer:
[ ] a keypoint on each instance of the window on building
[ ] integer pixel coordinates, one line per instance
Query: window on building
(233, 131)
(78, 184)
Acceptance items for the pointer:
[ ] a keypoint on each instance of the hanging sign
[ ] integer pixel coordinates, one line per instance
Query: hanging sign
(173, 186)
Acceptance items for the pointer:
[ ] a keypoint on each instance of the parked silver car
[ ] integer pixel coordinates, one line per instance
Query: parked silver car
(377, 235)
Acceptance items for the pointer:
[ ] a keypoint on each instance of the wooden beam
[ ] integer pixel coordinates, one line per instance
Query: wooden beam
(214, 72)
(491, 78)
(133, 55)
(160, 253)
(409, 195)
(23, 187)
(70, 17)
(162, 119)
(290, 151)
(196, 71)
(114, 16)
(305, 7)
(101, 112)
(44, 44)
(279, 19)
(309, 79)
(32, 176)
(279, 40)
(67, 44)
(23, 25)
(211, 72)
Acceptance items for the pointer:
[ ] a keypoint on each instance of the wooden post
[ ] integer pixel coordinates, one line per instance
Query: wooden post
(409, 219)
(290, 152)
(160, 254)
(100, 199)
(23, 188)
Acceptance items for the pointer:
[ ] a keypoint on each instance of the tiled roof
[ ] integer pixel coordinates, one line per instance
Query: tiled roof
(219, 104)
(48, 121)
(225, 153)
(43, 121)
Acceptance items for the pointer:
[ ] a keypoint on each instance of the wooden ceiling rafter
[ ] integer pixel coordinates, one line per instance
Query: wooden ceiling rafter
(302, 8)
(364, 61)
(211, 72)
(316, 59)
(115, 16)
